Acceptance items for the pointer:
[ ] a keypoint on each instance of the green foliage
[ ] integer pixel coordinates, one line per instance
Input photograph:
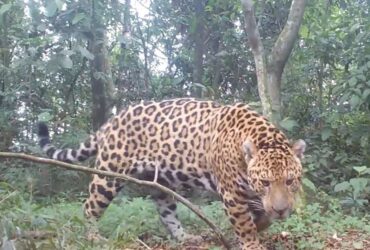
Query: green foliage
(357, 189)
(317, 222)
(343, 146)
(288, 124)
(21, 216)
(126, 220)
(132, 218)
(333, 109)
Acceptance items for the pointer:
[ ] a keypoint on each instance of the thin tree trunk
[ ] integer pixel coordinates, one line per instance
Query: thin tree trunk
(258, 51)
(199, 48)
(100, 72)
(216, 80)
(146, 60)
(269, 68)
(127, 18)
(4, 55)
(8, 133)
(99, 101)
(273, 87)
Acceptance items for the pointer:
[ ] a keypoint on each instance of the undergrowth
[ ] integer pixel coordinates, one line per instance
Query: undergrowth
(29, 224)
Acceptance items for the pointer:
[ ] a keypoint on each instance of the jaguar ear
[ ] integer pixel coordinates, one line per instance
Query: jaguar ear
(298, 148)
(249, 149)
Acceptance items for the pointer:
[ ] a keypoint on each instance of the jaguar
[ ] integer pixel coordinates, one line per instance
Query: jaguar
(230, 150)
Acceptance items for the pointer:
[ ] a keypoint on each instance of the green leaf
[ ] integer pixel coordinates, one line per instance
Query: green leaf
(193, 25)
(178, 80)
(59, 3)
(77, 18)
(221, 53)
(352, 81)
(360, 169)
(365, 94)
(343, 186)
(51, 8)
(67, 52)
(199, 85)
(326, 133)
(208, 8)
(288, 124)
(65, 62)
(362, 77)
(45, 117)
(5, 8)
(354, 27)
(309, 184)
(304, 31)
(86, 53)
(358, 184)
(41, 27)
(354, 101)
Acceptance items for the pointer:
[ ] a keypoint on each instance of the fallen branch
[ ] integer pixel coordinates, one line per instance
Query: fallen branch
(33, 234)
(8, 196)
(156, 185)
(143, 243)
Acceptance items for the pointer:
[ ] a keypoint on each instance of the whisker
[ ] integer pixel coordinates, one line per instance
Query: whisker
(256, 205)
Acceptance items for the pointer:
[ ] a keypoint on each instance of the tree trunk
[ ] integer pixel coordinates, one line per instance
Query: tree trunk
(7, 130)
(270, 67)
(100, 73)
(199, 48)
(273, 87)
(4, 55)
(258, 51)
(216, 79)
(146, 64)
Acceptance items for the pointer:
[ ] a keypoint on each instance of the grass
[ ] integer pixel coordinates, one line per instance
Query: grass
(133, 223)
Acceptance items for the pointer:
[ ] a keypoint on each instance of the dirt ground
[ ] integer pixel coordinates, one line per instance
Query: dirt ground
(351, 240)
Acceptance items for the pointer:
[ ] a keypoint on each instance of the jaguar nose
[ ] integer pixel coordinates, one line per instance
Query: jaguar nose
(280, 210)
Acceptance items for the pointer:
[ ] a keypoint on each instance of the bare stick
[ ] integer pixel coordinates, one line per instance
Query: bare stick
(164, 189)
(143, 243)
(156, 174)
(8, 196)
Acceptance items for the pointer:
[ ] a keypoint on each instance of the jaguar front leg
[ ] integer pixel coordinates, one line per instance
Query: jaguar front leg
(262, 222)
(166, 206)
(242, 222)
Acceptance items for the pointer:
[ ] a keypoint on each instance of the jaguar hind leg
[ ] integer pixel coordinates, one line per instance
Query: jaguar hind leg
(102, 191)
(166, 206)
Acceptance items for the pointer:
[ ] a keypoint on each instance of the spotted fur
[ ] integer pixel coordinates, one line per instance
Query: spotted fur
(227, 149)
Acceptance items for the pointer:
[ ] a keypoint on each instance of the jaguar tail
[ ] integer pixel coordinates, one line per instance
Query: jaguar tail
(83, 152)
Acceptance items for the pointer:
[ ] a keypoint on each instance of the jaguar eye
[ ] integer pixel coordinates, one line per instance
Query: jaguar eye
(265, 183)
(289, 182)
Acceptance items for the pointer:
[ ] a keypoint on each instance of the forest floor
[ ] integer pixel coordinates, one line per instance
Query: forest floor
(352, 239)
(134, 224)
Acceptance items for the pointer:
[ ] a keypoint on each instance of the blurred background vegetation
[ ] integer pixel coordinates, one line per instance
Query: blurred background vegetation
(74, 63)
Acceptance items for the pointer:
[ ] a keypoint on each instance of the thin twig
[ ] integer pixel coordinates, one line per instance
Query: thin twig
(143, 243)
(8, 196)
(164, 189)
(156, 174)
(35, 234)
